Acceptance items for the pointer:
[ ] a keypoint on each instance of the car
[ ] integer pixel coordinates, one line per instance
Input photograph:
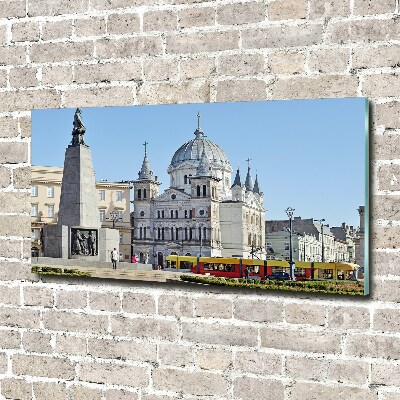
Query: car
(279, 276)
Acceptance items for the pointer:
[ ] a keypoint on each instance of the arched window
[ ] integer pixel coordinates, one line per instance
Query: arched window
(172, 233)
(144, 193)
(204, 232)
(176, 213)
(144, 232)
(204, 190)
(162, 233)
(191, 233)
(172, 213)
(162, 214)
(186, 234)
(139, 193)
(159, 234)
(141, 232)
(199, 232)
(185, 180)
(198, 190)
(158, 214)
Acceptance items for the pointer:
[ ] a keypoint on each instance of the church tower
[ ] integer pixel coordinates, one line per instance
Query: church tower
(145, 191)
(249, 180)
(238, 191)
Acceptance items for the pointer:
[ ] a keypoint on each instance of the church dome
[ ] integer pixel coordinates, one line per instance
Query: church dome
(192, 150)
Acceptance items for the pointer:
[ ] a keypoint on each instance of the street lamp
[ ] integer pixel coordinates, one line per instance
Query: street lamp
(289, 211)
(114, 218)
(321, 221)
(201, 240)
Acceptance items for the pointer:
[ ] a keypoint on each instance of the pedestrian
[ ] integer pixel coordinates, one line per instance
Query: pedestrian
(114, 258)
(246, 273)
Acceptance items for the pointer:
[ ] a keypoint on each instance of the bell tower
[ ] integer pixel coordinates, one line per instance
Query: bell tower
(145, 190)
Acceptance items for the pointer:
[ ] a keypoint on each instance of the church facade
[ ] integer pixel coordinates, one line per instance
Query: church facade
(201, 213)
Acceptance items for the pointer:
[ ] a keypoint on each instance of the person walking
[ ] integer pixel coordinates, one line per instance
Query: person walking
(114, 258)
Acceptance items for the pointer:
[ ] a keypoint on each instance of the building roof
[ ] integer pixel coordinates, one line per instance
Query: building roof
(237, 182)
(249, 181)
(308, 226)
(191, 151)
(256, 188)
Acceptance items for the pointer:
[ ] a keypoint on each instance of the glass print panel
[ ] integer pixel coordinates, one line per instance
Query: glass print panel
(268, 195)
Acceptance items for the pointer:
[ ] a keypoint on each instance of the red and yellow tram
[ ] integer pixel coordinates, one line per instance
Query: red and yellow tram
(260, 269)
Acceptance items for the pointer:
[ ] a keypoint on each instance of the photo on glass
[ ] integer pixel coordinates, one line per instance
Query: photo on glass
(261, 195)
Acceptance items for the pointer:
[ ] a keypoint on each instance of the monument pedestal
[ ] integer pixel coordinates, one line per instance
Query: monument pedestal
(57, 243)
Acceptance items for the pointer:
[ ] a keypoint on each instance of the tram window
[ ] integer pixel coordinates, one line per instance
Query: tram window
(208, 267)
(299, 272)
(186, 265)
(279, 269)
(219, 267)
(325, 273)
(341, 275)
(255, 269)
(171, 264)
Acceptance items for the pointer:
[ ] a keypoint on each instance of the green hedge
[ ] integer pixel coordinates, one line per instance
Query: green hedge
(337, 287)
(58, 271)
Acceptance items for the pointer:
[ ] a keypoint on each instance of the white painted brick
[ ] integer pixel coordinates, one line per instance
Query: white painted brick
(181, 51)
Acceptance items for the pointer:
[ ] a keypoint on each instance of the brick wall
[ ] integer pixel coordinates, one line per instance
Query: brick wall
(92, 339)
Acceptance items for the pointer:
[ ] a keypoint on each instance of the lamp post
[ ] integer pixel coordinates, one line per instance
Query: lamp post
(114, 218)
(154, 246)
(201, 240)
(289, 211)
(321, 221)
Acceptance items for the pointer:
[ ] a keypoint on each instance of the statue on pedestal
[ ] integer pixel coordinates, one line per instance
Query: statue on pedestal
(79, 129)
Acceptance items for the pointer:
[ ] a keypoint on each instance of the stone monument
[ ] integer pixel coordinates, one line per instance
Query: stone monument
(78, 233)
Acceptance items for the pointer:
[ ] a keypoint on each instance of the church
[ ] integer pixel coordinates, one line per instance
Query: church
(202, 213)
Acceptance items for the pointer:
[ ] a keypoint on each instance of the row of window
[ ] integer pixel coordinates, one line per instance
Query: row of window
(35, 210)
(174, 214)
(187, 233)
(50, 193)
(35, 191)
(254, 240)
(251, 219)
(118, 195)
(50, 212)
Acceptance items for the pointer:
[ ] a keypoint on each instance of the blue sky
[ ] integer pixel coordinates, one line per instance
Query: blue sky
(309, 154)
